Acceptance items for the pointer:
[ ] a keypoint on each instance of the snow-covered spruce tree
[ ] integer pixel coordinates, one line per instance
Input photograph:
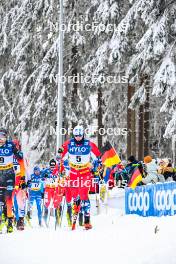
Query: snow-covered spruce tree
(148, 31)
(73, 49)
(105, 16)
(28, 36)
(139, 42)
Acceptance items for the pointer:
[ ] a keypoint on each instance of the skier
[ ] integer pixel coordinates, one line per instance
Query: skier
(60, 190)
(79, 154)
(36, 190)
(7, 175)
(19, 202)
(52, 194)
(20, 193)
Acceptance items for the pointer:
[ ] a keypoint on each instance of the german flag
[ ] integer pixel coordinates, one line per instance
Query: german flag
(109, 156)
(22, 167)
(19, 177)
(135, 178)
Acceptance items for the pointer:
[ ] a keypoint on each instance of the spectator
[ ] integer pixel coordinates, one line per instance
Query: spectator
(132, 163)
(127, 172)
(151, 170)
(166, 170)
(117, 174)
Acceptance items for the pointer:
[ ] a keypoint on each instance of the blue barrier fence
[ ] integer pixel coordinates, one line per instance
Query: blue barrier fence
(151, 200)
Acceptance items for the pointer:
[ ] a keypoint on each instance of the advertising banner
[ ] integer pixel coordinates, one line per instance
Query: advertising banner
(151, 200)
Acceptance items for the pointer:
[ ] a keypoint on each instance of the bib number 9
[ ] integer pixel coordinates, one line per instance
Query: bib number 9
(1, 160)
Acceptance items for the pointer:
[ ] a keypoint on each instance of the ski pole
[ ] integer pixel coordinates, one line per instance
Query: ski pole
(97, 198)
(62, 211)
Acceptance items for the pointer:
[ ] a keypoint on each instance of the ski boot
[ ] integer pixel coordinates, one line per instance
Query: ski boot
(69, 215)
(87, 223)
(10, 225)
(20, 224)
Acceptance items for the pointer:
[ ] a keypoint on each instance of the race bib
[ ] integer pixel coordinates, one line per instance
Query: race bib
(35, 186)
(1, 160)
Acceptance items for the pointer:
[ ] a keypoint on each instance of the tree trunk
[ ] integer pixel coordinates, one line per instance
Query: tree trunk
(141, 133)
(131, 128)
(100, 117)
(146, 121)
(75, 84)
(174, 150)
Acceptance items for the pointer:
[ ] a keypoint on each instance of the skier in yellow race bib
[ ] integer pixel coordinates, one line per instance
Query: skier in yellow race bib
(7, 177)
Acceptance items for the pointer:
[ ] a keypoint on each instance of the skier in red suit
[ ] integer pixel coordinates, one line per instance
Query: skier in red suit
(79, 155)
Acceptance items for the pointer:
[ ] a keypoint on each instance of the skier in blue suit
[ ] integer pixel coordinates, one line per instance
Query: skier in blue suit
(36, 191)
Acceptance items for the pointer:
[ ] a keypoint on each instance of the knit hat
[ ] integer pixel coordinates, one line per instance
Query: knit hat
(147, 159)
(36, 168)
(52, 163)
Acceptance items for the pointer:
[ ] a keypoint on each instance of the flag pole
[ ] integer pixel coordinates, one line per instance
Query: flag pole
(60, 82)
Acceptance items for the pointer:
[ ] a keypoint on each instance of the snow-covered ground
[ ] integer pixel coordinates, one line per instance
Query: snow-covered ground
(115, 238)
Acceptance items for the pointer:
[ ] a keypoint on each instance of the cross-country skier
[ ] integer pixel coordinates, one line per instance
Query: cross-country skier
(36, 190)
(19, 197)
(20, 194)
(59, 170)
(78, 156)
(7, 175)
(53, 195)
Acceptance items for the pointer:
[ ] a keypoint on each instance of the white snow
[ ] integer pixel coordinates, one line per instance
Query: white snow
(115, 238)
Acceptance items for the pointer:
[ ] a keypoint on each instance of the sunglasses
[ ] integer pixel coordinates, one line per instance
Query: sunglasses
(52, 166)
